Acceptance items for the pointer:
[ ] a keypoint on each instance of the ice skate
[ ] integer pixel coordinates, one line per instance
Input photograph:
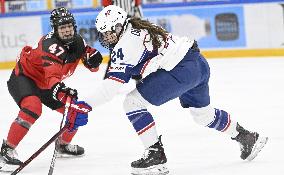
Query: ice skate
(69, 150)
(250, 142)
(8, 158)
(153, 161)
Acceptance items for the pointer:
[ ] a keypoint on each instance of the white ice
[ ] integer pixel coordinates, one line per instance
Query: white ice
(252, 90)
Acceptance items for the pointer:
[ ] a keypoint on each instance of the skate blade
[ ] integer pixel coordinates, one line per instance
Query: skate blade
(68, 156)
(4, 167)
(8, 168)
(260, 143)
(153, 170)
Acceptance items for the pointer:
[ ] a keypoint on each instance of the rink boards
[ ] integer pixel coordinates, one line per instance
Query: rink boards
(228, 30)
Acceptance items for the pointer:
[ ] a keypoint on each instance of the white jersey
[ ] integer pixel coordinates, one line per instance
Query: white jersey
(134, 55)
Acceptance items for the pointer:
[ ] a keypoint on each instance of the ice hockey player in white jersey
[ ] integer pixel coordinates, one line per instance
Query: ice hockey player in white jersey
(169, 67)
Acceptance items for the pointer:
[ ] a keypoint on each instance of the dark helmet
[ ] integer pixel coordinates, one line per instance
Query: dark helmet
(61, 16)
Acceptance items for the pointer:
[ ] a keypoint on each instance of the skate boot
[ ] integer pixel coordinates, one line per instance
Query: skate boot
(153, 161)
(8, 158)
(69, 150)
(250, 142)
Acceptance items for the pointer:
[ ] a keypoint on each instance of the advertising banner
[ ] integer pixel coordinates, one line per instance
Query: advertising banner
(82, 3)
(246, 26)
(264, 25)
(15, 6)
(36, 5)
(25, 6)
(15, 33)
(62, 3)
(206, 2)
(212, 27)
(74, 4)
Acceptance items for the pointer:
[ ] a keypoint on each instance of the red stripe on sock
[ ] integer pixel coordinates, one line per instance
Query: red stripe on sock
(146, 128)
(228, 124)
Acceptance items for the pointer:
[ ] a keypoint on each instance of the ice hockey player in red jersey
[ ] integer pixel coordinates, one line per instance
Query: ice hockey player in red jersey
(37, 79)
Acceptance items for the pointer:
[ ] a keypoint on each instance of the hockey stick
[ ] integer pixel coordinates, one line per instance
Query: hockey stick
(43, 147)
(52, 163)
(108, 65)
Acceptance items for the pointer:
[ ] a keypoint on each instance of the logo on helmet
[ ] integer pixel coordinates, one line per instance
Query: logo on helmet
(102, 28)
(107, 13)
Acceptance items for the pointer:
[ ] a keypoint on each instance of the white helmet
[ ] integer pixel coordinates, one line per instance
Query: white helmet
(109, 17)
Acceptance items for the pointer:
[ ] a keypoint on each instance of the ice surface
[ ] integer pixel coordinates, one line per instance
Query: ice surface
(252, 90)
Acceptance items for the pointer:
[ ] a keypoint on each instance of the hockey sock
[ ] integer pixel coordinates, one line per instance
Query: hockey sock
(144, 125)
(31, 109)
(222, 122)
(67, 137)
(16, 133)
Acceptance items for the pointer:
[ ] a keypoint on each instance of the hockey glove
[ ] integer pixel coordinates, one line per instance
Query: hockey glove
(92, 59)
(77, 115)
(60, 92)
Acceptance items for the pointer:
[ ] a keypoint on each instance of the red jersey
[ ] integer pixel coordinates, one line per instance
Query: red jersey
(51, 61)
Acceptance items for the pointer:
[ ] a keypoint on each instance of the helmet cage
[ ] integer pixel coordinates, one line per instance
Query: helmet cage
(104, 42)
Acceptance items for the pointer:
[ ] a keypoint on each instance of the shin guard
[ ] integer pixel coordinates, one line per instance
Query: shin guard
(31, 109)
(144, 125)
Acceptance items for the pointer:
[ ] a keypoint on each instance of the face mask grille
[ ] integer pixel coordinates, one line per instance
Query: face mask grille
(105, 42)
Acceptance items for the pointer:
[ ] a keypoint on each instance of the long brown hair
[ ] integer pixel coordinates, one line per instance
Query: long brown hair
(154, 30)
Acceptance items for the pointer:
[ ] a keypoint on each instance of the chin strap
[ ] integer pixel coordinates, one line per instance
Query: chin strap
(124, 26)
(68, 42)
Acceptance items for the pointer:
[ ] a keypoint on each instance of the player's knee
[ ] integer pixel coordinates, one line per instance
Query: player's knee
(203, 116)
(134, 101)
(157, 102)
(33, 104)
(31, 109)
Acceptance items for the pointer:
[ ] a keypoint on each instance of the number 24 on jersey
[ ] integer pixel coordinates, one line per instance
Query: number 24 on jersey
(116, 55)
